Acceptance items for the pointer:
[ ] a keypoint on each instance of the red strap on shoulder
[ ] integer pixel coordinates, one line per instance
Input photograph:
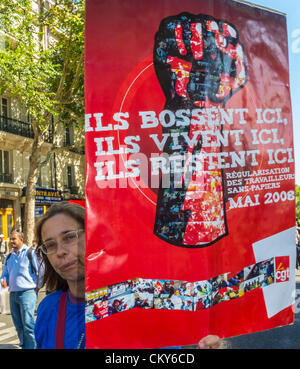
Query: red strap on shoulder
(60, 325)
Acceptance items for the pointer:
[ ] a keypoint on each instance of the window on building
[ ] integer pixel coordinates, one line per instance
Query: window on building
(4, 162)
(70, 176)
(5, 175)
(4, 107)
(71, 185)
(69, 136)
(9, 223)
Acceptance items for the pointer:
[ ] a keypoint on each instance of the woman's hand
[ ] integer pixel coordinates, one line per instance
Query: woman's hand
(3, 282)
(210, 342)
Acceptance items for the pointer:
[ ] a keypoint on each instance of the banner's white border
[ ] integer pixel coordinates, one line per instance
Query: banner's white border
(278, 296)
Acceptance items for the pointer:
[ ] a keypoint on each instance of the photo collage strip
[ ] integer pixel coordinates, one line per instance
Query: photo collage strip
(177, 295)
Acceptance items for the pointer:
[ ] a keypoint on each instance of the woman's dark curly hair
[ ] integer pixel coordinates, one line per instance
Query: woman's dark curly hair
(51, 279)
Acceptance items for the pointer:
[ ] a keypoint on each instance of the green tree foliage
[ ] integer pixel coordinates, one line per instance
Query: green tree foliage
(42, 64)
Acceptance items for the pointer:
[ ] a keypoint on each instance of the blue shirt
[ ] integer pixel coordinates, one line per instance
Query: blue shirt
(45, 326)
(17, 270)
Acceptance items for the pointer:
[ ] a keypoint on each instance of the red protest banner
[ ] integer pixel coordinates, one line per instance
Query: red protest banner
(190, 191)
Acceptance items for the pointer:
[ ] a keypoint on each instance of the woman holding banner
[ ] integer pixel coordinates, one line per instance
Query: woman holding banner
(60, 319)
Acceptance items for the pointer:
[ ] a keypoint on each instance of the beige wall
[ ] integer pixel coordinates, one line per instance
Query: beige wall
(19, 152)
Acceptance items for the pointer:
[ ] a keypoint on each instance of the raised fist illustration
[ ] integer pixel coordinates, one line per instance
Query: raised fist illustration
(200, 63)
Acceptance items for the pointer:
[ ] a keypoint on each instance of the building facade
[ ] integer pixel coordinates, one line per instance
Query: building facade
(61, 177)
(61, 174)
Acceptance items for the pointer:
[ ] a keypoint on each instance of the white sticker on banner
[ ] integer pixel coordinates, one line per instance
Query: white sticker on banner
(281, 294)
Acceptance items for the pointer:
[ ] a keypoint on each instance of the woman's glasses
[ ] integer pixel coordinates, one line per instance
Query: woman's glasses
(69, 238)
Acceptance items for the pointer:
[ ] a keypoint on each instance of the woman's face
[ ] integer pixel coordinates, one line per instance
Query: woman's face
(67, 261)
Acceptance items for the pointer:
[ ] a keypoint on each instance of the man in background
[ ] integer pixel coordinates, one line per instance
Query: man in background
(19, 273)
